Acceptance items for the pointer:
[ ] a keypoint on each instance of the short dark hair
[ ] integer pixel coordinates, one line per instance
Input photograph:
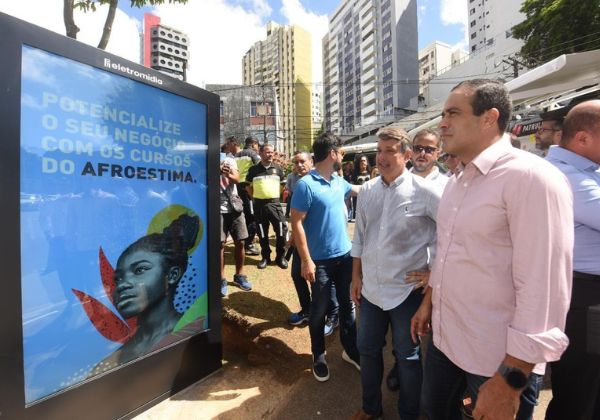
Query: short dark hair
(250, 140)
(579, 119)
(429, 132)
(324, 144)
(488, 94)
(262, 146)
(395, 133)
(233, 140)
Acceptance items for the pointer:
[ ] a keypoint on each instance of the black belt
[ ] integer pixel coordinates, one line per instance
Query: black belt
(266, 200)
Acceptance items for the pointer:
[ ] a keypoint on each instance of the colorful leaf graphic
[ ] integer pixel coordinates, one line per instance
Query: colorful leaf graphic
(107, 273)
(106, 322)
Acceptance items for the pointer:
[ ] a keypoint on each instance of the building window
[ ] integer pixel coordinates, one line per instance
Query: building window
(473, 35)
(490, 41)
(221, 108)
(473, 48)
(473, 22)
(472, 11)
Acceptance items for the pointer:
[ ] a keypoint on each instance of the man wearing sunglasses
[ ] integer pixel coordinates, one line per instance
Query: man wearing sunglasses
(550, 131)
(426, 151)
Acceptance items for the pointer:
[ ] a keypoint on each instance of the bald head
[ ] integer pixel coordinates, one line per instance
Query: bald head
(581, 130)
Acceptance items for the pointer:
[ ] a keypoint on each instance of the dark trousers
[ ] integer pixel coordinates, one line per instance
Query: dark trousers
(271, 214)
(576, 376)
(248, 214)
(334, 271)
(444, 385)
(303, 291)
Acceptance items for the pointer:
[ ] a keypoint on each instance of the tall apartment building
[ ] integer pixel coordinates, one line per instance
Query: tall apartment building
(164, 49)
(283, 60)
(492, 47)
(370, 65)
(317, 110)
(490, 23)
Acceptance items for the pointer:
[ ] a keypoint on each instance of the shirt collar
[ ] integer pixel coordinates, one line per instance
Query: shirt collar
(485, 160)
(318, 177)
(566, 156)
(399, 180)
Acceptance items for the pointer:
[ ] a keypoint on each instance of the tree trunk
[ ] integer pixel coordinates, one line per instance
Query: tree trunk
(110, 17)
(70, 26)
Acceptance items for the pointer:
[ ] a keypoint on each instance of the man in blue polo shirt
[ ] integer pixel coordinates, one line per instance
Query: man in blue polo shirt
(321, 238)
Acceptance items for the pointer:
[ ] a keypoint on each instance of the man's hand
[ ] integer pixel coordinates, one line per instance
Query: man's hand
(308, 269)
(496, 400)
(420, 324)
(421, 278)
(355, 289)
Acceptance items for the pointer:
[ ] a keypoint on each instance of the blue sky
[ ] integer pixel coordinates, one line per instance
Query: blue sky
(222, 31)
(431, 26)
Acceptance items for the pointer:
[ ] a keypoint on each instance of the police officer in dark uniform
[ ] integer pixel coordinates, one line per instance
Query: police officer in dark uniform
(265, 180)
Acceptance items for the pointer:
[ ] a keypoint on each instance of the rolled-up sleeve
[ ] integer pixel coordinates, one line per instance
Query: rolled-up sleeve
(359, 225)
(540, 213)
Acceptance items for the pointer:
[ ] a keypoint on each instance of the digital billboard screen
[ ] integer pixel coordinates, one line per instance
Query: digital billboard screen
(113, 217)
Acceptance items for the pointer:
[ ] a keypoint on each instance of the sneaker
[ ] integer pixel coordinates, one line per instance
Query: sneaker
(298, 318)
(330, 325)
(223, 287)
(242, 282)
(252, 251)
(354, 362)
(320, 369)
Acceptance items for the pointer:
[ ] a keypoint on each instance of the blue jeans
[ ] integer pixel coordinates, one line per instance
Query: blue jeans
(444, 384)
(303, 291)
(374, 323)
(334, 271)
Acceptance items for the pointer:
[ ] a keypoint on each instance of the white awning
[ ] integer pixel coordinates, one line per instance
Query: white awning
(565, 73)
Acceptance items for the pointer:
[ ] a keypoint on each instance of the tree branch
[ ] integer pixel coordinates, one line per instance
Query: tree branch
(110, 17)
(70, 26)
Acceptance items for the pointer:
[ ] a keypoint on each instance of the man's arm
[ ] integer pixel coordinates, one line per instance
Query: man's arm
(308, 267)
(542, 270)
(229, 170)
(420, 324)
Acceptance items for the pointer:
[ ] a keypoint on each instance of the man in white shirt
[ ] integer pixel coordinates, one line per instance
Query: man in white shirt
(395, 233)
(426, 151)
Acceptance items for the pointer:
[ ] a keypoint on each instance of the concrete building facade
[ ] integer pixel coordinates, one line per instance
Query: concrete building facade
(165, 49)
(248, 111)
(432, 59)
(370, 62)
(283, 61)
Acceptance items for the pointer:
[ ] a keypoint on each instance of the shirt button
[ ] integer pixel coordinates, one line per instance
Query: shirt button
(465, 184)
(455, 209)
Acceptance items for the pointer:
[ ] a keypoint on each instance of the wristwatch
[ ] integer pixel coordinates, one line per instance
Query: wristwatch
(514, 377)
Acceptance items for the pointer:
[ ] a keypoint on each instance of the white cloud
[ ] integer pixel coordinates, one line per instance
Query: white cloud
(220, 34)
(455, 12)
(48, 14)
(317, 25)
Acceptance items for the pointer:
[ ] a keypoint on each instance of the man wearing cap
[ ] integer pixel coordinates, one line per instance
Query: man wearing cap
(576, 376)
(550, 131)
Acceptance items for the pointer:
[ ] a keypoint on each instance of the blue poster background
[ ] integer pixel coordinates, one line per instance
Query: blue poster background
(77, 121)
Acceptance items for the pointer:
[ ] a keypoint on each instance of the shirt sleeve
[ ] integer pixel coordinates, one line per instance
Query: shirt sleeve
(301, 199)
(539, 210)
(359, 224)
(250, 175)
(432, 209)
(347, 187)
(586, 200)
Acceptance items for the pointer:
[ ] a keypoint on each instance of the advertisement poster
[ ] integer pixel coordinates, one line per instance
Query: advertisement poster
(113, 220)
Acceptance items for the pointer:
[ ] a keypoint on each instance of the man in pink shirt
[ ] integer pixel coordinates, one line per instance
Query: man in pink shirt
(500, 285)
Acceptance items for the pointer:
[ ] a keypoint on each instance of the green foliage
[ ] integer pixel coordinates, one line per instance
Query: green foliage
(555, 27)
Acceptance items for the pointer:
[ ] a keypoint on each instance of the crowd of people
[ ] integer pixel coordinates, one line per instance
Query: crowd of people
(491, 269)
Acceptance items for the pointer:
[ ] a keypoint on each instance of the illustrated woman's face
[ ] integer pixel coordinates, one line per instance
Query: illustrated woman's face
(142, 280)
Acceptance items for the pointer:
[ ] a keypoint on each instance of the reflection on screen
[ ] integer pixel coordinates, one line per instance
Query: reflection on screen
(113, 212)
